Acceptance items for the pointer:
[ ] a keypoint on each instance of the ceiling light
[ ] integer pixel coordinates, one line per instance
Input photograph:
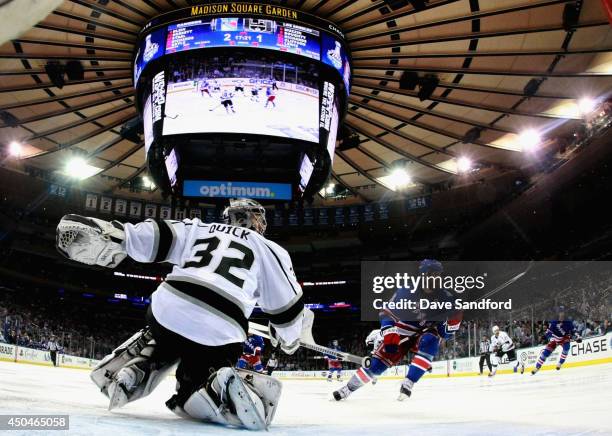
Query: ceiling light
(529, 140)
(464, 164)
(398, 179)
(15, 149)
(586, 105)
(78, 168)
(148, 183)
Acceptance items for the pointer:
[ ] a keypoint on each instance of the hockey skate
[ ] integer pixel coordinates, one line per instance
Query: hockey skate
(405, 390)
(342, 393)
(534, 371)
(558, 366)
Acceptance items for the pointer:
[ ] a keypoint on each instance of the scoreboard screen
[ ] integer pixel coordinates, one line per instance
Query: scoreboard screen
(241, 92)
(244, 32)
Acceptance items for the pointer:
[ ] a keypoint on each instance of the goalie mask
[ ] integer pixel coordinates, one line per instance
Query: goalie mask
(244, 212)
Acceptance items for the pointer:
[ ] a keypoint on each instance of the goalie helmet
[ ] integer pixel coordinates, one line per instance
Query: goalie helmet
(244, 212)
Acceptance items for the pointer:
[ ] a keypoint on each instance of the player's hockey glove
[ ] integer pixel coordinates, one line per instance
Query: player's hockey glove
(391, 340)
(91, 241)
(578, 339)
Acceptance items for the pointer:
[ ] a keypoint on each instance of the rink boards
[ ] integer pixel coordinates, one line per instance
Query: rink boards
(13, 353)
(592, 351)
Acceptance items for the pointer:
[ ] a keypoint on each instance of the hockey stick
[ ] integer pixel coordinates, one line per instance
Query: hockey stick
(510, 281)
(310, 344)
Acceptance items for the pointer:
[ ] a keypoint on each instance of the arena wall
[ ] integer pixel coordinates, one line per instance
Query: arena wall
(592, 351)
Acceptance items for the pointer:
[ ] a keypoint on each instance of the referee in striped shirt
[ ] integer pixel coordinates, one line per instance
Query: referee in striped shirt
(485, 354)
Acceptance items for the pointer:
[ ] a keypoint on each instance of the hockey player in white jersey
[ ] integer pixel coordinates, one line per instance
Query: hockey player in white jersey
(501, 344)
(226, 102)
(198, 316)
(373, 340)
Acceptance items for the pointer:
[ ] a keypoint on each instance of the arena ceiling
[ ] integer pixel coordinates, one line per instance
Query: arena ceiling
(483, 52)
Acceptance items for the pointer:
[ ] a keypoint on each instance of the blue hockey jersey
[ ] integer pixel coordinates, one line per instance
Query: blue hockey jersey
(559, 329)
(253, 345)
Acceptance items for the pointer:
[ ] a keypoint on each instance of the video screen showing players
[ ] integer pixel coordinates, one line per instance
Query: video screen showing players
(242, 94)
(244, 32)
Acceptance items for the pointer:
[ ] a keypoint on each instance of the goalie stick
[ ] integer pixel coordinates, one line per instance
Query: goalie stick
(310, 344)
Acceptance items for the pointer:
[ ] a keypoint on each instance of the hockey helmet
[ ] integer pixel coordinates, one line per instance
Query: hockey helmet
(245, 212)
(495, 329)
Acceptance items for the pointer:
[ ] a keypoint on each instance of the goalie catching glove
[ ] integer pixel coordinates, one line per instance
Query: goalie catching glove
(90, 240)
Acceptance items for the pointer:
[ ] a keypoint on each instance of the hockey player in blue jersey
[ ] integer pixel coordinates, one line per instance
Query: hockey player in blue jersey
(252, 351)
(334, 363)
(419, 336)
(560, 332)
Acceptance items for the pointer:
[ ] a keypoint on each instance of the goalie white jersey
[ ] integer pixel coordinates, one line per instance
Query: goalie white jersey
(221, 272)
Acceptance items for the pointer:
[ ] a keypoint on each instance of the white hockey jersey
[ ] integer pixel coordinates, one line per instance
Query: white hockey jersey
(226, 95)
(501, 342)
(374, 339)
(221, 272)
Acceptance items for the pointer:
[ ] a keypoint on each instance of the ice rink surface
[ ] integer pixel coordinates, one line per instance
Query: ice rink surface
(296, 115)
(571, 401)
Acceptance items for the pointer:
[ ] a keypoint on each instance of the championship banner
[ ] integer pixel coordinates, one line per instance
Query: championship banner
(150, 211)
(120, 207)
(383, 211)
(278, 220)
(354, 215)
(165, 212)
(135, 209)
(293, 218)
(91, 202)
(106, 205)
(308, 217)
(339, 216)
(323, 216)
(368, 213)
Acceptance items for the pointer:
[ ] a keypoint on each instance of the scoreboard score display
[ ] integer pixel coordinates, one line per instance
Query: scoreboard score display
(244, 32)
(241, 94)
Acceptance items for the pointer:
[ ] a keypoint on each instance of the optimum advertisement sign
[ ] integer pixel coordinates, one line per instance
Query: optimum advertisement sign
(225, 189)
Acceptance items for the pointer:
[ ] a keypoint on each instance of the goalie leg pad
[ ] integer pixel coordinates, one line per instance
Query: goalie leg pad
(238, 398)
(267, 388)
(131, 371)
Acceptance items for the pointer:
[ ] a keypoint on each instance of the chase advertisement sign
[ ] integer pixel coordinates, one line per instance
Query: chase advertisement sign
(227, 189)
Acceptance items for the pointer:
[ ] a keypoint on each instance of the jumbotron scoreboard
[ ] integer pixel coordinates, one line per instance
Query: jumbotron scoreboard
(241, 99)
